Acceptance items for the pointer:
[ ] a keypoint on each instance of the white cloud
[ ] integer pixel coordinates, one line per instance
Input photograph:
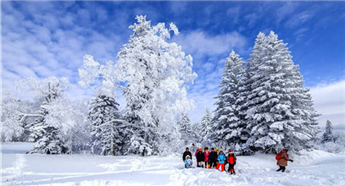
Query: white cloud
(299, 19)
(52, 42)
(234, 13)
(285, 11)
(199, 43)
(329, 100)
(208, 66)
(251, 18)
(178, 7)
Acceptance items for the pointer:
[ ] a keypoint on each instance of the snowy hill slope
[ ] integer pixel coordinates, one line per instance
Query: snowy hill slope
(316, 168)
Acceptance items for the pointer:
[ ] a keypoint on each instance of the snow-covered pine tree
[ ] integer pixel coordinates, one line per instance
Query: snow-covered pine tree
(328, 134)
(206, 126)
(244, 90)
(226, 129)
(48, 131)
(155, 73)
(306, 123)
(186, 129)
(196, 133)
(107, 138)
(274, 113)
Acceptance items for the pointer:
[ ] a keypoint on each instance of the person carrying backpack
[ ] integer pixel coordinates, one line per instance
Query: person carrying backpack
(232, 162)
(212, 158)
(282, 158)
(221, 160)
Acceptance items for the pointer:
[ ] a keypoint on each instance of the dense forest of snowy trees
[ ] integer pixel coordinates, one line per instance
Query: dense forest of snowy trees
(262, 105)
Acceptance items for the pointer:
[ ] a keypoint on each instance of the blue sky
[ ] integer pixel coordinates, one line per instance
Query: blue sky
(44, 39)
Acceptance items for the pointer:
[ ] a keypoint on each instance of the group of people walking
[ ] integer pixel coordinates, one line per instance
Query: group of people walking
(217, 159)
(210, 159)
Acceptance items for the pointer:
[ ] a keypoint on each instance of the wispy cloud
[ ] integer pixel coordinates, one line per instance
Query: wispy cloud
(251, 18)
(299, 19)
(37, 43)
(329, 100)
(300, 33)
(201, 44)
(285, 11)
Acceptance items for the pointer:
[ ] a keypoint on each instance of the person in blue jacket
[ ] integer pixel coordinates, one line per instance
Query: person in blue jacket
(188, 162)
(221, 160)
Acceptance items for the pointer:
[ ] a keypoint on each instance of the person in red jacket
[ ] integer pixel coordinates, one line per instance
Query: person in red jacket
(232, 162)
(207, 153)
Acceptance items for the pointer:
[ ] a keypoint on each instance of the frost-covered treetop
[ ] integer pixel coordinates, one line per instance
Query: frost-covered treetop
(148, 54)
(147, 43)
(48, 89)
(144, 27)
(93, 71)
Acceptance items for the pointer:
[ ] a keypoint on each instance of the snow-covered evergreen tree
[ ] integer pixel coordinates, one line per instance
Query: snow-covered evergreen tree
(206, 126)
(104, 117)
(48, 132)
(274, 112)
(196, 133)
(328, 134)
(186, 129)
(226, 128)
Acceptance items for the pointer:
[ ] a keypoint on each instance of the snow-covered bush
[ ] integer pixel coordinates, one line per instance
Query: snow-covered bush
(337, 144)
(13, 127)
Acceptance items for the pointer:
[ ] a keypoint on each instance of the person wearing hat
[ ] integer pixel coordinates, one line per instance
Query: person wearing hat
(200, 158)
(186, 153)
(221, 160)
(282, 159)
(217, 150)
(188, 162)
(232, 161)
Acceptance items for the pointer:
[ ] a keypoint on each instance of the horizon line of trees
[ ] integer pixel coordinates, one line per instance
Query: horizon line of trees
(262, 105)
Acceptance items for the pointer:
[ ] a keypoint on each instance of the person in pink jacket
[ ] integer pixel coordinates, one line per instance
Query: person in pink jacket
(206, 152)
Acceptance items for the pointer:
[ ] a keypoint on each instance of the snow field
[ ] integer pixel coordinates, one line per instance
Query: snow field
(311, 168)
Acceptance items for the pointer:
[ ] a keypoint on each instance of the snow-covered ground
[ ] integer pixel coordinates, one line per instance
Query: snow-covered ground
(18, 168)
